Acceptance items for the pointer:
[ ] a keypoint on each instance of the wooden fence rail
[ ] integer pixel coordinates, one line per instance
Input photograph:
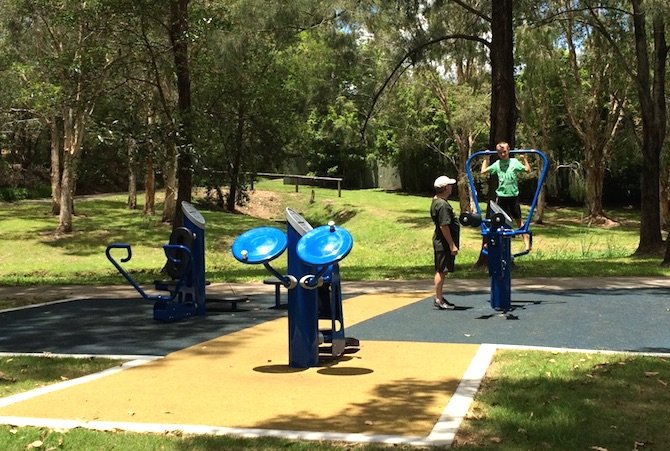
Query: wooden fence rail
(298, 178)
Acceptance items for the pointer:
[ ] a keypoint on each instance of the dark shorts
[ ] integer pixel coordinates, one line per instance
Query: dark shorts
(511, 206)
(444, 261)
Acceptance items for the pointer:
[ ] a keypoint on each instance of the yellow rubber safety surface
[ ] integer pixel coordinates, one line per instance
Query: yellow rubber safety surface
(243, 380)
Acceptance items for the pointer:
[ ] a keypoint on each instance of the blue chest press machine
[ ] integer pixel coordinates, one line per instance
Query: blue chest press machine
(185, 265)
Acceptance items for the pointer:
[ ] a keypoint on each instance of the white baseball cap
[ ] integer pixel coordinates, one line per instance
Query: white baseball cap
(443, 181)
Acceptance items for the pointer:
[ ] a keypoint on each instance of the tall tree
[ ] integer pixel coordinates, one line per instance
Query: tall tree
(649, 78)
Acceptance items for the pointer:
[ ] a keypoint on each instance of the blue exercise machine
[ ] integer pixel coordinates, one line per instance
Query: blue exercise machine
(498, 231)
(313, 282)
(185, 265)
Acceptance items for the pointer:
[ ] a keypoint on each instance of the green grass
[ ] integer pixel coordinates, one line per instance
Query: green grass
(22, 373)
(392, 240)
(528, 401)
(570, 401)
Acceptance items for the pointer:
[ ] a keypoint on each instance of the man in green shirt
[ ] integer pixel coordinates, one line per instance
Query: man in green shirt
(445, 237)
(507, 170)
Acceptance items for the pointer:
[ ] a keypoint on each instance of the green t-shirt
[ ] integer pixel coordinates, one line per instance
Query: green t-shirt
(442, 214)
(506, 170)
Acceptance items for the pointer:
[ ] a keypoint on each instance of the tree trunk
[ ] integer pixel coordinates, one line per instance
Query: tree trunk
(56, 149)
(74, 123)
(654, 115)
(132, 176)
(234, 175)
(595, 177)
(664, 206)
(503, 94)
(179, 37)
(170, 180)
(150, 188)
(503, 91)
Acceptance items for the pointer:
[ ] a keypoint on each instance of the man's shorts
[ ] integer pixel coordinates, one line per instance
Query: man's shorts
(444, 261)
(510, 205)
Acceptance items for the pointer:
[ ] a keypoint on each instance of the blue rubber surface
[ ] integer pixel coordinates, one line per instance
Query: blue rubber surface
(119, 327)
(619, 320)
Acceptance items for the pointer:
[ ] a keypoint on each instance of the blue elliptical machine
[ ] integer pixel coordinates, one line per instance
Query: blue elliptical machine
(498, 231)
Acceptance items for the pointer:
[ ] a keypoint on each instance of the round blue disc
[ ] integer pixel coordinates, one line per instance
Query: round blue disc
(259, 245)
(324, 245)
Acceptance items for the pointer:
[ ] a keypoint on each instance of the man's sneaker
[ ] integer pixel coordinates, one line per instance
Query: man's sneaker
(443, 305)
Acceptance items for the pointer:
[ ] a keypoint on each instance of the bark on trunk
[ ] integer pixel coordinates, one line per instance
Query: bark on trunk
(132, 176)
(150, 188)
(654, 115)
(179, 38)
(74, 123)
(503, 91)
(170, 180)
(595, 177)
(56, 149)
(235, 169)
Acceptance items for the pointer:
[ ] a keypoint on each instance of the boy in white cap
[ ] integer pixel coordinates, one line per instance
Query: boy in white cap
(445, 237)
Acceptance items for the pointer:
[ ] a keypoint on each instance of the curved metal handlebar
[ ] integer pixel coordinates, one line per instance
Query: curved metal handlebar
(130, 280)
(485, 225)
(126, 246)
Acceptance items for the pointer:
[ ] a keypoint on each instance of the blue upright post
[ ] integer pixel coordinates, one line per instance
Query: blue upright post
(195, 222)
(303, 323)
(500, 270)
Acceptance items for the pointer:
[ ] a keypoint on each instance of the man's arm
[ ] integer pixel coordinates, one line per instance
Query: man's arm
(450, 240)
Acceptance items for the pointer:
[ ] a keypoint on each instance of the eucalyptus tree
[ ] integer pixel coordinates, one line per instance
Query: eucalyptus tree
(594, 93)
(71, 51)
(645, 27)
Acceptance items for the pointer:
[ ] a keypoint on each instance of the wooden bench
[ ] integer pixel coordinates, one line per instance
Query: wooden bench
(278, 284)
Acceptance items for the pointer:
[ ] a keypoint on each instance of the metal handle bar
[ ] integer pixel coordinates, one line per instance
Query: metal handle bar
(524, 228)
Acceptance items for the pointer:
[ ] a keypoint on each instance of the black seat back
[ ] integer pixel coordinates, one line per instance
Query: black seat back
(183, 237)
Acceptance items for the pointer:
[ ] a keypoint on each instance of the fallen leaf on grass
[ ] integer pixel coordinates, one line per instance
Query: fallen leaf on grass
(651, 373)
(35, 444)
(662, 382)
(598, 448)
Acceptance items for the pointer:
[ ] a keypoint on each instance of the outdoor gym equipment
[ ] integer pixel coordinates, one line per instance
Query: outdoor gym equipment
(313, 282)
(498, 231)
(185, 265)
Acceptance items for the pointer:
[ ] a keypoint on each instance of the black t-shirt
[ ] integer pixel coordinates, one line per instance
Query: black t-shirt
(443, 214)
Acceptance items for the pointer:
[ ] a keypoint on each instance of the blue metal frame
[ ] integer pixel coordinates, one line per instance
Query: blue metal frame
(486, 225)
(129, 255)
(303, 297)
(498, 238)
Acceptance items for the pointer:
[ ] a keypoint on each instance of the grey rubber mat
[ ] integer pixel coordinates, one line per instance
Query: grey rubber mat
(619, 320)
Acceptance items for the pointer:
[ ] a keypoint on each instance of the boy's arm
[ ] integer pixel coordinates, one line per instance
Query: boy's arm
(526, 165)
(485, 165)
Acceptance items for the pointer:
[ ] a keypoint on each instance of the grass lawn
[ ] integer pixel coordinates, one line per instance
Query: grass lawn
(392, 240)
(529, 400)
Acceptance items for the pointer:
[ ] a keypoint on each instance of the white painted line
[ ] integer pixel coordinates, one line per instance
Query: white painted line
(4, 402)
(26, 307)
(445, 429)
